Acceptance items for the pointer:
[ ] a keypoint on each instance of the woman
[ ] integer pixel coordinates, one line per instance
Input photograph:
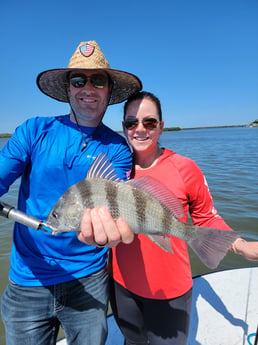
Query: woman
(151, 292)
(152, 289)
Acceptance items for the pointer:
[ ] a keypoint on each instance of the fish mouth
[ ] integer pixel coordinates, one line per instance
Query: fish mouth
(53, 229)
(48, 228)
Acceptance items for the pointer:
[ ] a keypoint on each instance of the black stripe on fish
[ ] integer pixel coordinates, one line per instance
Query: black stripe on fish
(140, 208)
(112, 199)
(85, 192)
(166, 219)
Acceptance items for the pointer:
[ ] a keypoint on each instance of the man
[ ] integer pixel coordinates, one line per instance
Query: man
(58, 280)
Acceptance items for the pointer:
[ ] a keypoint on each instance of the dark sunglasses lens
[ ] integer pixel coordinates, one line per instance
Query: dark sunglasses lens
(130, 124)
(78, 81)
(98, 80)
(150, 123)
(147, 123)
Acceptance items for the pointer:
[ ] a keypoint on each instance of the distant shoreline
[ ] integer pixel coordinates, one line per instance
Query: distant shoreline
(5, 135)
(207, 127)
(168, 129)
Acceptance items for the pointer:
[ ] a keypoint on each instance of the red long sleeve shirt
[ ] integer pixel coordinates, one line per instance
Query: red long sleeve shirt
(144, 268)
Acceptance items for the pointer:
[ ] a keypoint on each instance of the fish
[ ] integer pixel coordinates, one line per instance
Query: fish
(147, 206)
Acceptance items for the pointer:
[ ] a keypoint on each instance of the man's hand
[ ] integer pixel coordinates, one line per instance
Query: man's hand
(98, 228)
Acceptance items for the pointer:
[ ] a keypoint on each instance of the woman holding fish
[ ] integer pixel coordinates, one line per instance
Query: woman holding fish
(152, 289)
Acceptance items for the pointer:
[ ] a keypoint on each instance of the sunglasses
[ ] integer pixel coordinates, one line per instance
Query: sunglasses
(148, 123)
(99, 81)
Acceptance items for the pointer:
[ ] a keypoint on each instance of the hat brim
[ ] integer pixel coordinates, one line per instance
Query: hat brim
(53, 83)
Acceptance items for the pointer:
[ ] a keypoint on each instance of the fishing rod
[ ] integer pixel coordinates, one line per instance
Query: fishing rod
(10, 212)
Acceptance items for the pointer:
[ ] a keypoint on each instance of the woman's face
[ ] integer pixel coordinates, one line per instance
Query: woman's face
(142, 126)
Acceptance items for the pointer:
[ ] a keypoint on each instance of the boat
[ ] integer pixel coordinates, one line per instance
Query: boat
(224, 310)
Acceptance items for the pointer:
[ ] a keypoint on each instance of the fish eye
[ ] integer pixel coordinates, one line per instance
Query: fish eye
(54, 214)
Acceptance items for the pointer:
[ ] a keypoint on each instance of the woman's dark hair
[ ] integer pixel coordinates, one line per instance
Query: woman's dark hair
(141, 95)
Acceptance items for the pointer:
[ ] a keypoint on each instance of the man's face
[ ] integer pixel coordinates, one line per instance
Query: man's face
(89, 95)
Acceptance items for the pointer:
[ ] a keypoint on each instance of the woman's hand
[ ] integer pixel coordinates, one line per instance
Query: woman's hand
(248, 249)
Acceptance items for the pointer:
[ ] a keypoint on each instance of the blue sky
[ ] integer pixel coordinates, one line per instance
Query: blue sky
(200, 57)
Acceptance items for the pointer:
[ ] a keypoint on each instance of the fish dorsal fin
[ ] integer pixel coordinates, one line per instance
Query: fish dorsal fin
(102, 168)
(160, 192)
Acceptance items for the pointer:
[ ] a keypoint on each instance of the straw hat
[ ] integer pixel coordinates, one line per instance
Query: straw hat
(88, 55)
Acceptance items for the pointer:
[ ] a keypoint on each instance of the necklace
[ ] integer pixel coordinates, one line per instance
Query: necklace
(85, 141)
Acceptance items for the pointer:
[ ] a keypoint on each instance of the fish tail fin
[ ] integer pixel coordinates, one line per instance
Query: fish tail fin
(211, 245)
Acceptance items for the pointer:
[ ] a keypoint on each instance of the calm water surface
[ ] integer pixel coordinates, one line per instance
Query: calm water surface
(229, 159)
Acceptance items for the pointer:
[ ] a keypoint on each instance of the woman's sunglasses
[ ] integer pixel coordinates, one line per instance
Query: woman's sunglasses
(99, 81)
(148, 123)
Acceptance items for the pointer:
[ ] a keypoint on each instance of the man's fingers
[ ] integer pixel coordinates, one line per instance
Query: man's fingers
(85, 234)
(100, 229)
(98, 223)
(112, 232)
(126, 233)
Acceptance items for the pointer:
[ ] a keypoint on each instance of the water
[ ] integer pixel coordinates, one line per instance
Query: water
(229, 159)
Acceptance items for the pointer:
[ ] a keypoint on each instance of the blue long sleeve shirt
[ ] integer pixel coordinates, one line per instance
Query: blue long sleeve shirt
(46, 152)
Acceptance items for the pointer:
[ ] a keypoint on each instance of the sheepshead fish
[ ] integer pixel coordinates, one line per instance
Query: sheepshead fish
(146, 205)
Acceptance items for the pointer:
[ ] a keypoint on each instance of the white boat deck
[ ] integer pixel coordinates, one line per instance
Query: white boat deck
(225, 308)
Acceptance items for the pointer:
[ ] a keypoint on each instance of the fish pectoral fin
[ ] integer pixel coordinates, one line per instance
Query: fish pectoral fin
(163, 241)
